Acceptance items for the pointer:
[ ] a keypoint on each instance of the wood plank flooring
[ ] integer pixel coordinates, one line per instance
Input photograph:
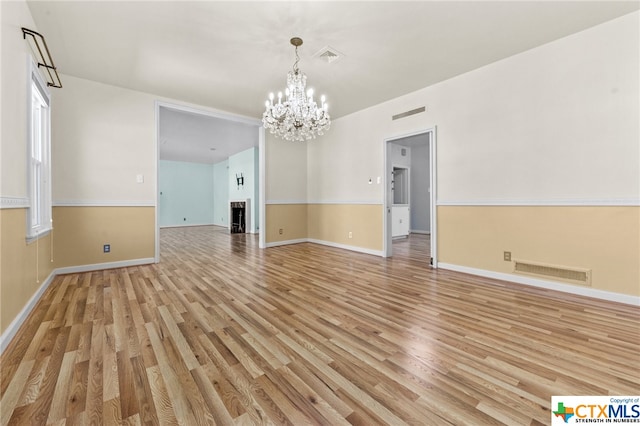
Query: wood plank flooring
(221, 332)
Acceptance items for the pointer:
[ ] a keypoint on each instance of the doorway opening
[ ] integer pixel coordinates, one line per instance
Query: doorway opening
(191, 142)
(410, 191)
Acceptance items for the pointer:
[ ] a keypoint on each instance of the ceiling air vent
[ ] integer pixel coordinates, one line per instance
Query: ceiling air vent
(572, 275)
(328, 54)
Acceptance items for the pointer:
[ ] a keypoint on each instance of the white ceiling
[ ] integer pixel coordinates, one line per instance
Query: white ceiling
(188, 136)
(230, 55)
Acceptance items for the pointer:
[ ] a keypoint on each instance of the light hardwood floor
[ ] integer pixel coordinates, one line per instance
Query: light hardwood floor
(223, 332)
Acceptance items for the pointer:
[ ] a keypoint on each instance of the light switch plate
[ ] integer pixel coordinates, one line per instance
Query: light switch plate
(140, 178)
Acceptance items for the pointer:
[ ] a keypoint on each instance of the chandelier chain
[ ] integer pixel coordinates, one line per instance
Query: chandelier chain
(295, 64)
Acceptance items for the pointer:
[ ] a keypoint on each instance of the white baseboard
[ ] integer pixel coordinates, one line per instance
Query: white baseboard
(186, 225)
(579, 202)
(17, 322)
(286, 243)
(326, 243)
(417, 231)
(103, 203)
(106, 265)
(549, 285)
(347, 247)
(250, 231)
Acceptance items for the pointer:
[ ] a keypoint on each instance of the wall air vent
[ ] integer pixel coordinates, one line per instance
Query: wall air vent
(541, 270)
(408, 113)
(328, 54)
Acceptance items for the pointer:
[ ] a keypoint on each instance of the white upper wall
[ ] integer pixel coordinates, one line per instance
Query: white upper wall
(13, 103)
(103, 137)
(558, 122)
(341, 162)
(285, 170)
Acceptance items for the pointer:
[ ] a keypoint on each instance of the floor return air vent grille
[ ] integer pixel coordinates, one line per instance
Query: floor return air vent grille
(573, 275)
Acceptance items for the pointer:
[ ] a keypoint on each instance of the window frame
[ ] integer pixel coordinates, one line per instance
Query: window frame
(39, 213)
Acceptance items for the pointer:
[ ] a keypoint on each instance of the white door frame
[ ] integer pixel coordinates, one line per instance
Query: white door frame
(261, 188)
(214, 114)
(387, 248)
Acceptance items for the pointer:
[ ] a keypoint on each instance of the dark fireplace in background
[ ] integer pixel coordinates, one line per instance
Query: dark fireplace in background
(238, 217)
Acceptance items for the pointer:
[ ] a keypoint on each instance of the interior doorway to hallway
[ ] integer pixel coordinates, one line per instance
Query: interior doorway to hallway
(409, 190)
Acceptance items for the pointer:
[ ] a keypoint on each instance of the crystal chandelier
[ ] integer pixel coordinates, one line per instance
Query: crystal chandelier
(297, 117)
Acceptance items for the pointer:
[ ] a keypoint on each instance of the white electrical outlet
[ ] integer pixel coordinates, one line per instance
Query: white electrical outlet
(350, 234)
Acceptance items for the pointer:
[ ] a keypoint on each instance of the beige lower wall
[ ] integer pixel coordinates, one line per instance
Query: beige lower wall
(333, 222)
(326, 222)
(81, 232)
(23, 268)
(291, 218)
(603, 239)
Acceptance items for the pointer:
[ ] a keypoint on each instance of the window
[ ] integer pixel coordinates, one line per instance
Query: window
(39, 156)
